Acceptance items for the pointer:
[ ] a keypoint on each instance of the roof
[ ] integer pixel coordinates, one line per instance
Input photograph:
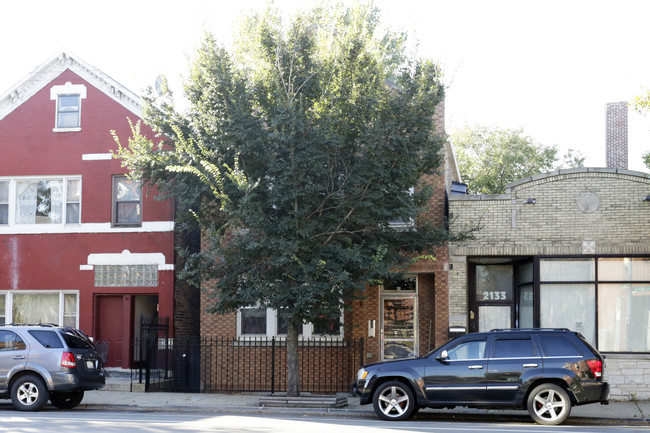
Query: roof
(43, 75)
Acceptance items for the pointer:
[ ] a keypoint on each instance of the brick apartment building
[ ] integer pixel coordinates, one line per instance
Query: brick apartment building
(80, 243)
(567, 249)
(398, 320)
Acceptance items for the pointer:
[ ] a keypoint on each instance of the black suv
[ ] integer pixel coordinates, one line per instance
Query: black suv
(546, 371)
(45, 362)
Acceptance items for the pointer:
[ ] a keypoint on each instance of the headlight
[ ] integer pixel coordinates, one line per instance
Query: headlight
(361, 374)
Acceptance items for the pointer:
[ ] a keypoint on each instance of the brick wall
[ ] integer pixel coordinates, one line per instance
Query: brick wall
(584, 211)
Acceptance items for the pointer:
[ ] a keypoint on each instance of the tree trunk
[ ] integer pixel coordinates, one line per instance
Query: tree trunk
(293, 368)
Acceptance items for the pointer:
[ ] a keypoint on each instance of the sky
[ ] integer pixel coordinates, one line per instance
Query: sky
(548, 67)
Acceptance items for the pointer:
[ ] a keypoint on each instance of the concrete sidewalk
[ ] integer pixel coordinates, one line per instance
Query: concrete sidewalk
(618, 411)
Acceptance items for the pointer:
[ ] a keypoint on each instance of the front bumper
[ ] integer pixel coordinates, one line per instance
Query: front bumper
(361, 389)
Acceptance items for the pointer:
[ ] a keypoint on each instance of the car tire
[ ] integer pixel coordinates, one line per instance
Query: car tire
(66, 400)
(549, 404)
(394, 401)
(29, 393)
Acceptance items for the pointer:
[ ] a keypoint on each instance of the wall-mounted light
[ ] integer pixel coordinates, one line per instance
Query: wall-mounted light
(647, 198)
(530, 201)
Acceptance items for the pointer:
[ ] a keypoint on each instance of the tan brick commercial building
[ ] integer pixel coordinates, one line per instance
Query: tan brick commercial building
(567, 249)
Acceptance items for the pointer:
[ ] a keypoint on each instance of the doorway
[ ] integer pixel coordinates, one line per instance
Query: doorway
(111, 328)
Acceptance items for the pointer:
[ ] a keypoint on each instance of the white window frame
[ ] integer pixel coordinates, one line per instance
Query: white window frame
(13, 199)
(68, 89)
(8, 294)
(272, 328)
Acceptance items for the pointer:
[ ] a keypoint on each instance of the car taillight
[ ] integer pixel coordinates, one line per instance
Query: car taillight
(596, 366)
(67, 360)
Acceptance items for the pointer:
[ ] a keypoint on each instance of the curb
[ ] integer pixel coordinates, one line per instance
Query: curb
(520, 416)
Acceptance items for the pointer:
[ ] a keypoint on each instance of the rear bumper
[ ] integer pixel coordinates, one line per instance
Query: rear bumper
(76, 382)
(595, 392)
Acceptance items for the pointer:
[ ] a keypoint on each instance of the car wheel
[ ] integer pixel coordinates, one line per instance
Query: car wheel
(29, 393)
(393, 401)
(66, 400)
(549, 404)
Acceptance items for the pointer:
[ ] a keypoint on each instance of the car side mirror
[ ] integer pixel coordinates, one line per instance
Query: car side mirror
(443, 356)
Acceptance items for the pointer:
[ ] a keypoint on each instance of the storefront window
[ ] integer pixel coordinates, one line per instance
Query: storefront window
(624, 317)
(623, 269)
(567, 270)
(571, 306)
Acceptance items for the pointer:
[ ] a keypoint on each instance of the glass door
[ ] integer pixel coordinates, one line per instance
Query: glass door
(398, 328)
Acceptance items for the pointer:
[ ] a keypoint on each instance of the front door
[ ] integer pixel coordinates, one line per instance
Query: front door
(110, 326)
(491, 296)
(398, 328)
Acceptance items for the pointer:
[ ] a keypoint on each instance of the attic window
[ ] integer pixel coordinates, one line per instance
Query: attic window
(68, 106)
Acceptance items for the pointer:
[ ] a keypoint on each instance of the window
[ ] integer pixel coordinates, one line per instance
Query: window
(557, 345)
(68, 106)
(42, 306)
(513, 348)
(3, 304)
(253, 321)
(127, 203)
(265, 322)
(48, 339)
(40, 201)
(4, 202)
(68, 111)
(11, 341)
(467, 350)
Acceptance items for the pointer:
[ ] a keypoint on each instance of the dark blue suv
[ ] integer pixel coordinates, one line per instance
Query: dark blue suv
(544, 371)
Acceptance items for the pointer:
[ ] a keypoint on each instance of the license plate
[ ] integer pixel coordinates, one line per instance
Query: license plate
(90, 365)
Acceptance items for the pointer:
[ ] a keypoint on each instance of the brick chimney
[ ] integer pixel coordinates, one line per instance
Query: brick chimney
(616, 135)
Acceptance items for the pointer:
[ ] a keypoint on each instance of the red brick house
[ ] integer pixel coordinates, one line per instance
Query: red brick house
(80, 243)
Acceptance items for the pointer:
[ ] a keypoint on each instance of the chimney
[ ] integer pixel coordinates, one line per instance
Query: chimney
(616, 135)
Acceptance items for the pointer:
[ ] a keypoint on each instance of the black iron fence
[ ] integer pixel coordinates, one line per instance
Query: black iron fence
(219, 364)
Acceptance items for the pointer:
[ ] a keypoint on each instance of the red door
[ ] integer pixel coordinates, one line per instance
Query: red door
(111, 327)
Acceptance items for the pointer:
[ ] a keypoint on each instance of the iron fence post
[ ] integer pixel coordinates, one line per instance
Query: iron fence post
(273, 365)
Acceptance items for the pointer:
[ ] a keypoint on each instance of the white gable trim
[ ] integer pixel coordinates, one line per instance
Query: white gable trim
(44, 74)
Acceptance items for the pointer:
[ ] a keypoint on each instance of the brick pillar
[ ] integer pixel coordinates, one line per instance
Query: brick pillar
(616, 135)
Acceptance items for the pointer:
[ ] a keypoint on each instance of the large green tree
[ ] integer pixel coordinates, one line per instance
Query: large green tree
(491, 158)
(299, 148)
(641, 103)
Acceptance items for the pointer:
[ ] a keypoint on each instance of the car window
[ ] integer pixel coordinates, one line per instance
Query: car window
(467, 350)
(558, 345)
(11, 341)
(513, 348)
(48, 339)
(75, 342)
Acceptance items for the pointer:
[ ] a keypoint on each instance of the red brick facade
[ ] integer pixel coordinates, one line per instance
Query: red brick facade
(62, 258)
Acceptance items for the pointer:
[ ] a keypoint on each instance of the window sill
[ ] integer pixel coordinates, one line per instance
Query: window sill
(66, 129)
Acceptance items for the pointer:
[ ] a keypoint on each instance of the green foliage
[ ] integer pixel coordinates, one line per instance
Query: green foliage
(641, 103)
(299, 147)
(491, 158)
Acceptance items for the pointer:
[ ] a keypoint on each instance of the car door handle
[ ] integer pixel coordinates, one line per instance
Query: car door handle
(530, 365)
(475, 367)
(19, 357)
